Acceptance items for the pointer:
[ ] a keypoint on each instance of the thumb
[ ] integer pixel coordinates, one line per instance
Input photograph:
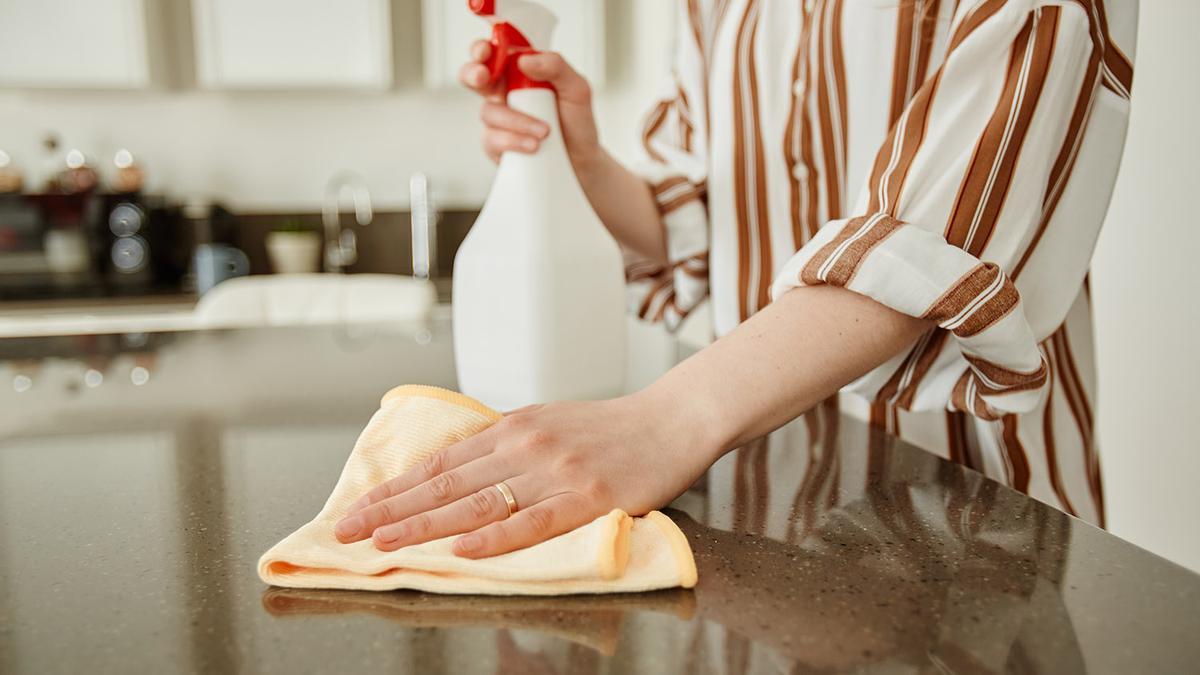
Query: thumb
(551, 67)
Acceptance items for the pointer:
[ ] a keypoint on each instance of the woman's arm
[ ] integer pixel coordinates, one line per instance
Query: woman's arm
(782, 361)
(568, 463)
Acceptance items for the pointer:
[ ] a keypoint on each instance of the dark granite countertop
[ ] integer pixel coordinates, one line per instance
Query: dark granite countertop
(131, 516)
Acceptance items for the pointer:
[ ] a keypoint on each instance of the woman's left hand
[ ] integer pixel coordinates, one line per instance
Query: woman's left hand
(565, 463)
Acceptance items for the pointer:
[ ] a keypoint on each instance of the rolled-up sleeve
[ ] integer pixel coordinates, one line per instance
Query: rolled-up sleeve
(958, 195)
(675, 167)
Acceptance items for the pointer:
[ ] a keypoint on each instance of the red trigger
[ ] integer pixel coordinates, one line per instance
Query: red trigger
(508, 45)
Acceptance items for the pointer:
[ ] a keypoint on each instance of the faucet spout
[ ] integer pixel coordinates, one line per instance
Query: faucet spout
(341, 245)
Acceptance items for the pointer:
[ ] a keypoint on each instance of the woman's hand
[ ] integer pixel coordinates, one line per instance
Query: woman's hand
(621, 198)
(566, 464)
(507, 130)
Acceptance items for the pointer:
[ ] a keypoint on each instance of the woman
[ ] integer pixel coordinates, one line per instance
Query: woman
(949, 298)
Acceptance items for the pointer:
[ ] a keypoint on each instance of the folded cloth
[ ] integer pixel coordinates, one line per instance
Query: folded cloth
(613, 554)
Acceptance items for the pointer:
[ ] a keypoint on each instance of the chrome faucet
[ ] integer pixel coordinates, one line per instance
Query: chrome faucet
(341, 245)
(424, 227)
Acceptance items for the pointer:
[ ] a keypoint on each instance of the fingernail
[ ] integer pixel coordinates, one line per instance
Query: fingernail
(358, 504)
(539, 130)
(528, 144)
(348, 527)
(468, 543)
(390, 534)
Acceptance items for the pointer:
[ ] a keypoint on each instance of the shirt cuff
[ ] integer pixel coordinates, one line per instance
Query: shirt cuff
(916, 272)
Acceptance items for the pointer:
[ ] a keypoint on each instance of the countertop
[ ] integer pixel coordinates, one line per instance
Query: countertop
(133, 509)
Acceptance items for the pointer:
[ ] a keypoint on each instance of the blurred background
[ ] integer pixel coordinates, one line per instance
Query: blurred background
(150, 149)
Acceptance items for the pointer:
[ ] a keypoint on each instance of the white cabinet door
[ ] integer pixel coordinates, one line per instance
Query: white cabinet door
(450, 28)
(293, 44)
(73, 44)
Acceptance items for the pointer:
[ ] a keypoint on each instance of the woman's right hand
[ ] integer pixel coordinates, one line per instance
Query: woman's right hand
(508, 130)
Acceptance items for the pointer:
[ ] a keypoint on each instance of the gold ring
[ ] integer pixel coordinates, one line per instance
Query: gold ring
(509, 499)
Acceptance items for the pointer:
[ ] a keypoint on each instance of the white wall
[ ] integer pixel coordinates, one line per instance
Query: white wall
(265, 152)
(1148, 316)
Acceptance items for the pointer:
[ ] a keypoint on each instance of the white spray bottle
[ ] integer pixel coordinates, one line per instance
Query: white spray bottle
(538, 283)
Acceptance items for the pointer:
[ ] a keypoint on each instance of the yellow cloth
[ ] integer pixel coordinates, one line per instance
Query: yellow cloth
(613, 554)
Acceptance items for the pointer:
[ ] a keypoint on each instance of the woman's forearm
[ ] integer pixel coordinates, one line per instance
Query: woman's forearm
(784, 360)
(569, 463)
(625, 204)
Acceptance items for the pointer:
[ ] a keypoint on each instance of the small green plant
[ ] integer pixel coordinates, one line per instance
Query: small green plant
(293, 225)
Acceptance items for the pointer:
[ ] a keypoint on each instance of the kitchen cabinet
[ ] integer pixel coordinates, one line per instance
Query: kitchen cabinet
(67, 44)
(293, 44)
(450, 28)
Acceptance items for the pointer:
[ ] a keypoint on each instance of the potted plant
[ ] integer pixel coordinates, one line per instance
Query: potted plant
(294, 248)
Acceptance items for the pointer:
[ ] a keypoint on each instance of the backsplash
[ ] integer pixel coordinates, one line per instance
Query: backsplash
(384, 246)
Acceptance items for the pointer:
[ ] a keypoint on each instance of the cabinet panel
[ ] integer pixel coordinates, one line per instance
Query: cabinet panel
(286, 44)
(450, 28)
(72, 44)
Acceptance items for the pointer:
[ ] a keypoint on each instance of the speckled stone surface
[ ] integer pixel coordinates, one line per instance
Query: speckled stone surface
(131, 517)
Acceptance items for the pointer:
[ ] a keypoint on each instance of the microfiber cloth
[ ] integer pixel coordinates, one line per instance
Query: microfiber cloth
(614, 553)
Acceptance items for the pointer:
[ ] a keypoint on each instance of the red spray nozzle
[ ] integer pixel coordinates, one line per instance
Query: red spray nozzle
(482, 7)
(508, 45)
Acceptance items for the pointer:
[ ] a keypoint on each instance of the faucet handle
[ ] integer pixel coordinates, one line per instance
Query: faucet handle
(424, 227)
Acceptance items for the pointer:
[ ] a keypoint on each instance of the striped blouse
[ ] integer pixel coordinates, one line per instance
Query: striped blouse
(951, 159)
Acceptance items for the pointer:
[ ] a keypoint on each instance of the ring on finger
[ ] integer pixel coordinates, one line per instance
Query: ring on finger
(509, 500)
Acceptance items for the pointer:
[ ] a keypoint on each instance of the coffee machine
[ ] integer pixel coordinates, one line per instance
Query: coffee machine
(138, 242)
(90, 245)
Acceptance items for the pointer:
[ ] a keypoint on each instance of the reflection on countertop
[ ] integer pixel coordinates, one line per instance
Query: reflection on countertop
(131, 517)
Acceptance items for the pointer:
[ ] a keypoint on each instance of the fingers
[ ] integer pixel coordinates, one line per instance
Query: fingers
(496, 142)
(474, 75)
(440, 490)
(549, 518)
(481, 51)
(501, 117)
(553, 68)
(508, 130)
(444, 460)
(472, 512)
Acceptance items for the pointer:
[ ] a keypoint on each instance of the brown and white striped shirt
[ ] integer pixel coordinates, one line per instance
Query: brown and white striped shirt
(951, 159)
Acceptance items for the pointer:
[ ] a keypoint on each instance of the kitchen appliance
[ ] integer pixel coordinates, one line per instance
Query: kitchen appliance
(138, 241)
(22, 236)
(90, 245)
(215, 263)
(538, 283)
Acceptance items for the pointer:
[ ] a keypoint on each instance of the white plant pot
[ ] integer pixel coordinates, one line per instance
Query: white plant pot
(66, 251)
(294, 252)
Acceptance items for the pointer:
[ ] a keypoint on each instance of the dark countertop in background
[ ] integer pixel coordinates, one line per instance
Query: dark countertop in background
(131, 518)
(384, 247)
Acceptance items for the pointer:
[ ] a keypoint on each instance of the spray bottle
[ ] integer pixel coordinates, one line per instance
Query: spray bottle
(538, 283)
